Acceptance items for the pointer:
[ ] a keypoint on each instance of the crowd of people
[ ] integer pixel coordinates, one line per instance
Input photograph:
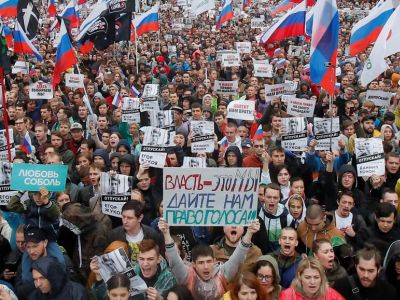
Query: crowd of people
(322, 231)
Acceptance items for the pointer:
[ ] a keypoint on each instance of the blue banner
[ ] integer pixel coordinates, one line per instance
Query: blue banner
(31, 177)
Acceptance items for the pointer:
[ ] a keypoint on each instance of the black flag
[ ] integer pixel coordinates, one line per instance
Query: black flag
(28, 17)
(101, 33)
(123, 27)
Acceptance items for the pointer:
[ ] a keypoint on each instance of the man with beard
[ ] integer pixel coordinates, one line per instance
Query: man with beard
(224, 247)
(366, 284)
(287, 256)
(364, 130)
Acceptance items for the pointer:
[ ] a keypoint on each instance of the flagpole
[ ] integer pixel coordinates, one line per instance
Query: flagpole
(5, 115)
(89, 107)
(136, 52)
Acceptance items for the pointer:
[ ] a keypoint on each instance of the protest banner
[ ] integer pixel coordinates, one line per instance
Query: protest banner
(131, 110)
(115, 192)
(295, 133)
(200, 6)
(40, 90)
(149, 104)
(231, 60)
(226, 87)
(3, 144)
(202, 136)
(300, 107)
(241, 110)
(20, 66)
(32, 177)
(275, 90)
(262, 69)
(324, 134)
(243, 47)
(220, 53)
(370, 158)
(295, 51)
(118, 262)
(150, 90)
(74, 80)
(194, 162)
(154, 149)
(162, 119)
(257, 23)
(380, 98)
(210, 197)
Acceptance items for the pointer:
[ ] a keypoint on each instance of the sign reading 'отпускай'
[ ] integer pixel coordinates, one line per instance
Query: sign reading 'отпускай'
(210, 197)
(31, 177)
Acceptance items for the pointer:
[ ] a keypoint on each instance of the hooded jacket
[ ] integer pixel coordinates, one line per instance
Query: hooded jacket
(104, 155)
(61, 287)
(277, 288)
(329, 232)
(392, 256)
(238, 154)
(130, 160)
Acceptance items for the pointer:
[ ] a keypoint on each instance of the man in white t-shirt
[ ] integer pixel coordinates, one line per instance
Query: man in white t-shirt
(132, 231)
(345, 218)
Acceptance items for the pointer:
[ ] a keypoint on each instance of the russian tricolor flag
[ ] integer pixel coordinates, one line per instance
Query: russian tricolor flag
(51, 8)
(224, 142)
(324, 44)
(259, 134)
(291, 24)
(22, 44)
(366, 31)
(8, 8)
(148, 21)
(26, 145)
(134, 92)
(285, 5)
(7, 32)
(117, 100)
(70, 13)
(226, 13)
(65, 57)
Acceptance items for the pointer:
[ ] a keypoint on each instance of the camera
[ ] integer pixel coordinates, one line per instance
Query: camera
(328, 64)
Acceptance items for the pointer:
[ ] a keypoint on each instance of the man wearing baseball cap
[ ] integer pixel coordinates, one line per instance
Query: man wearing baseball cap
(74, 143)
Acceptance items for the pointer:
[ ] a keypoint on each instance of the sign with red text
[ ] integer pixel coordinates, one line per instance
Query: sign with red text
(210, 197)
(230, 60)
(243, 47)
(241, 110)
(226, 87)
(40, 90)
(300, 107)
(262, 68)
(74, 80)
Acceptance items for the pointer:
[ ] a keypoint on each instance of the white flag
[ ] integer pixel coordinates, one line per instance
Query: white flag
(386, 44)
(200, 6)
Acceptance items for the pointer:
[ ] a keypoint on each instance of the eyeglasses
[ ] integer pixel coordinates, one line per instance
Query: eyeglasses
(262, 277)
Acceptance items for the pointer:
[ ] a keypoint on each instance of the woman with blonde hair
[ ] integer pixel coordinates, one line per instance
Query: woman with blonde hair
(310, 283)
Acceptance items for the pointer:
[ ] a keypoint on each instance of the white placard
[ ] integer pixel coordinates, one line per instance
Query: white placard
(231, 60)
(220, 53)
(149, 104)
(202, 136)
(3, 144)
(274, 90)
(243, 47)
(241, 110)
(194, 162)
(380, 98)
(370, 159)
(257, 23)
(300, 107)
(324, 134)
(40, 90)
(20, 66)
(262, 69)
(162, 119)
(210, 197)
(295, 50)
(150, 90)
(226, 87)
(74, 80)
(154, 150)
(295, 136)
(131, 110)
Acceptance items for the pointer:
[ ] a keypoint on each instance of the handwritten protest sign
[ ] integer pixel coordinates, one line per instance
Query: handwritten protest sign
(300, 107)
(210, 197)
(380, 98)
(243, 47)
(74, 80)
(262, 68)
(40, 90)
(226, 87)
(231, 60)
(241, 110)
(275, 90)
(220, 53)
(31, 177)
(370, 158)
(20, 66)
(295, 136)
